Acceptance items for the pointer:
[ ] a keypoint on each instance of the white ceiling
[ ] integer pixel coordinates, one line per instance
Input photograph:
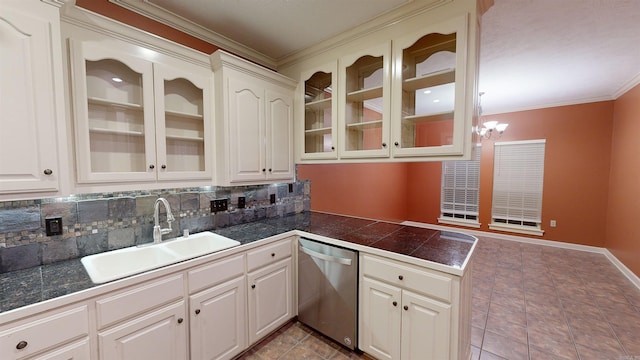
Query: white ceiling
(534, 53)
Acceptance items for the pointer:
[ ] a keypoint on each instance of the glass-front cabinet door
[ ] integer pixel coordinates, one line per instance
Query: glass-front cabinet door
(113, 108)
(429, 92)
(320, 109)
(181, 123)
(365, 96)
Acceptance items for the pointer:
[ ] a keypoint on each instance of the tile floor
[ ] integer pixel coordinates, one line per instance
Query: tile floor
(529, 302)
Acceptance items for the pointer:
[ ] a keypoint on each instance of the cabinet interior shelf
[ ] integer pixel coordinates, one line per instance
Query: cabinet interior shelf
(119, 104)
(365, 125)
(319, 104)
(319, 131)
(365, 94)
(433, 79)
(187, 138)
(429, 118)
(116, 132)
(183, 115)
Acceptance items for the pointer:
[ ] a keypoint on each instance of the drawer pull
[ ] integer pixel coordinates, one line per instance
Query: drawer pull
(273, 254)
(197, 311)
(48, 171)
(406, 307)
(253, 286)
(21, 345)
(395, 303)
(400, 277)
(180, 320)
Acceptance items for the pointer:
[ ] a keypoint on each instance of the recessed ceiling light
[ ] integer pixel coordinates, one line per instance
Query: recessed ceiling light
(436, 100)
(116, 79)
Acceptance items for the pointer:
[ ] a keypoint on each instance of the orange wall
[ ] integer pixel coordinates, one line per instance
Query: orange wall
(116, 12)
(623, 232)
(575, 186)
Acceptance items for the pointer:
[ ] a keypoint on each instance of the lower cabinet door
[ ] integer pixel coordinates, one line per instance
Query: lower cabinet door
(218, 321)
(426, 325)
(270, 297)
(380, 318)
(76, 351)
(159, 335)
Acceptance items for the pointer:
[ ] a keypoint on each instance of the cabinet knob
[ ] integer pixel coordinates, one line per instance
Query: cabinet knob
(395, 303)
(152, 166)
(273, 254)
(400, 277)
(253, 286)
(384, 144)
(396, 143)
(21, 345)
(264, 170)
(180, 320)
(48, 171)
(197, 311)
(333, 148)
(270, 170)
(405, 307)
(163, 166)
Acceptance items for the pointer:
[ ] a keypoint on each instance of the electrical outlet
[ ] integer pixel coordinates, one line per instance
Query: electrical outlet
(53, 226)
(241, 202)
(218, 205)
(272, 198)
(552, 223)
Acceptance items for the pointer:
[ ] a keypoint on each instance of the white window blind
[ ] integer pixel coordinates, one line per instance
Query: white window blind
(517, 186)
(459, 199)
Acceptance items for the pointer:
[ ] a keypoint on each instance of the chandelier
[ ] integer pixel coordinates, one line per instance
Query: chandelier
(488, 128)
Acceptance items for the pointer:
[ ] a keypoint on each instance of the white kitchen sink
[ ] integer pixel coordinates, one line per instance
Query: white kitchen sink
(113, 265)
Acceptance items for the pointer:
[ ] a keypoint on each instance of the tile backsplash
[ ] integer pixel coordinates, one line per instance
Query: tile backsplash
(93, 223)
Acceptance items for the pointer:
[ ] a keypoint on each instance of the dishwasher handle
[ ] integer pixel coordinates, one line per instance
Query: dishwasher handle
(325, 257)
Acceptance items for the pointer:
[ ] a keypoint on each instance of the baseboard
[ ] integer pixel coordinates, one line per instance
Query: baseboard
(635, 280)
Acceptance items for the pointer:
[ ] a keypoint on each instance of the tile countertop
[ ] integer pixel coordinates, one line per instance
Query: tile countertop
(29, 286)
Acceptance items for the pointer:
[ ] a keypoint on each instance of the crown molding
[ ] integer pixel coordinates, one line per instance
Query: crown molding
(635, 81)
(147, 9)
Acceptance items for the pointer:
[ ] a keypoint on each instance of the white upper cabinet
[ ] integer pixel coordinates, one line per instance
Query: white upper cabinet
(429, 93)
(137, 120)
(364, 102)
(319, 132)
(254, 122)
(31, 100)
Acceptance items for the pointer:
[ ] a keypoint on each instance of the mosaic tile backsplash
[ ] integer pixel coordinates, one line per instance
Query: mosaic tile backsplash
(94, 223)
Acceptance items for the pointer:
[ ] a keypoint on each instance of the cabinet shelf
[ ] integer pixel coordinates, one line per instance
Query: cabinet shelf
(433, 79)
(185, 138)
(429, 117)
(365, 125)
(318, 104)
(119, 104)
(365, 94)
(183, 115)
(319, 131)
(116, 132)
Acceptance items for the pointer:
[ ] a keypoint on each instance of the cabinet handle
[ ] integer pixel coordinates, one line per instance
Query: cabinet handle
(180, 320)
(396, 143)
(21, 345)
(406, 307)
(400, 277)
(384, 144)
(273, 254)
(163, 166)
(152, 166)
(197, 311)
(48, 171)
(395, 303)
(253, 286)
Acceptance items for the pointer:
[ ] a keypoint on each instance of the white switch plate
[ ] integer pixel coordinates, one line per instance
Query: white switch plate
(552, 223)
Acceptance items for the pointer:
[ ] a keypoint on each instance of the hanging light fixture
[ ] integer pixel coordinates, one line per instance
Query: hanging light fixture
(488, 127)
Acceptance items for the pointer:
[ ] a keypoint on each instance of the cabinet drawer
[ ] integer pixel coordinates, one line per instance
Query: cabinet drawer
(268, 254)
(44, 332)
(216, 273)
(407, 276)
(140, 299)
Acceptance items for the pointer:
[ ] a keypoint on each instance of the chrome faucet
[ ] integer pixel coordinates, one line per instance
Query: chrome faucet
(157, 230)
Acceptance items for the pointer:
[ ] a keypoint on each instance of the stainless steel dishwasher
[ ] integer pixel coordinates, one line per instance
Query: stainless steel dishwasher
(328, 290)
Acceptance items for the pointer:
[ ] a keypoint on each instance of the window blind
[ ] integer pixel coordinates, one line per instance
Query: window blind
(517, 183)
(459, 198)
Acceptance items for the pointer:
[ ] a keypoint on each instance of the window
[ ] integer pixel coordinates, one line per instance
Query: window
(518, 171)
(459, 200)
